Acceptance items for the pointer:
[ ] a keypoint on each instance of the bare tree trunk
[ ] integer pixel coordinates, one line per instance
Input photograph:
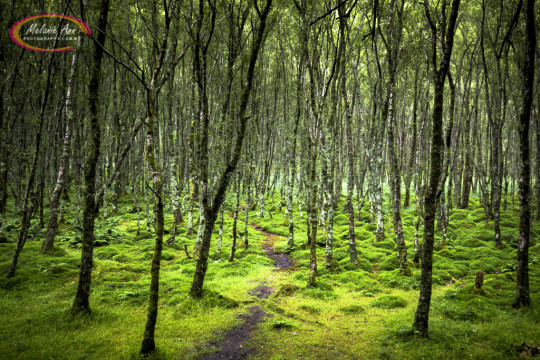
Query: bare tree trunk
(523, 298)
(27, 210)
(211, 208)
(81, 302)
(64, 162)
(421, 318)
(235, 221)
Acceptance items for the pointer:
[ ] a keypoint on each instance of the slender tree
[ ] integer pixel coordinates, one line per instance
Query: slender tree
(439, 72)
(81, 302)
(523, 297)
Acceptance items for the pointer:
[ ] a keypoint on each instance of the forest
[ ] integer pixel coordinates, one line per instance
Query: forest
(269, 179)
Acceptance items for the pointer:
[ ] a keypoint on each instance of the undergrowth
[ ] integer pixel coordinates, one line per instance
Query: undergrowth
(356, 310)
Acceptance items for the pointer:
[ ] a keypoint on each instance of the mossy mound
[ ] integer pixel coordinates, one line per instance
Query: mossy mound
(309, 309)
(287, 290)
(357, 280)
(477, 216)
(385, 244)
(210, 299)
(457, 215)
(376, 255)
(341, 220)
(393, 279)
(352, 309)
(361, 263)
(389, 302)
(362, 234)
(322, 290)
(391, 262)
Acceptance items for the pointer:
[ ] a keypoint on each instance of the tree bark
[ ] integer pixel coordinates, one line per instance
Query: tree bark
(523, 298)
(421, 318)
(211, 208)
(52, 224)
(81, 302)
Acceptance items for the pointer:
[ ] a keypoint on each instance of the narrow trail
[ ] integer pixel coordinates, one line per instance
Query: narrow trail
(282, 261)
(233, 346)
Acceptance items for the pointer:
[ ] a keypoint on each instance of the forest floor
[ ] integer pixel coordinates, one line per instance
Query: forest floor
(254, 309)
(233, 346)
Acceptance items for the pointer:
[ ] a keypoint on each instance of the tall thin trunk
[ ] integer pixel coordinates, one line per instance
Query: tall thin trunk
(28, 203)
(523, 297)
(81, 302)
(410, 167)
(64, 162)
(421, 318)
(148, 342)
(235, 222)
(211, 207)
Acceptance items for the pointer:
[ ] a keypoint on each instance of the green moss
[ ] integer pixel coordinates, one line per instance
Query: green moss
(309, 309)
(389, 302)
(458, 214)
(105, 253)
(385, 244)
(138, 297)
(456, 312)
(393, 279)
(487, 265)
(357, 280)
(390, 263)
(287, 290)
(322, 290)
(341, 220)
(281, 324)
(167, 256)
(210, 299)
(486, 235)
(121, 258)
(363, 235)
(477, 216)
(317, 293)
(143, 235)
(363, 264)
(352, 309)
(376, 255)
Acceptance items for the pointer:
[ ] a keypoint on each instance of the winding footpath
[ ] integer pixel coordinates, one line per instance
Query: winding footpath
(233, 345)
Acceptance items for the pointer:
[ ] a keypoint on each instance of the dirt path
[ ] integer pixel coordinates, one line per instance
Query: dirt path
(282, 261)
(233, 346)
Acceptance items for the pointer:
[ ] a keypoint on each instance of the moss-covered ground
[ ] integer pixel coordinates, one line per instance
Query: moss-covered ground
(357, 311)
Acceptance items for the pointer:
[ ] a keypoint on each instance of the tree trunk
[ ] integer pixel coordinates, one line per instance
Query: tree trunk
(211, 208)
(64, 162)
(523, 297)
(235, 222)
(28, 203)
(431, 198)
(81, 302)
